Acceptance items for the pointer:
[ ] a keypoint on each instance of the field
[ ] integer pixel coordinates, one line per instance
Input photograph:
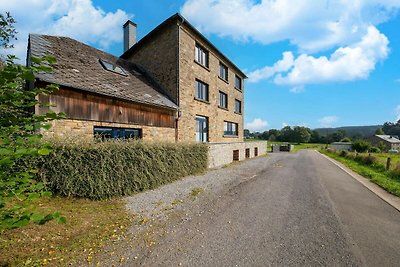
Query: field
(382, 158)
(90, 224)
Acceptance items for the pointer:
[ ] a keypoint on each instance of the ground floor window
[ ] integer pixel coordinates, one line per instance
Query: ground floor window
(117, 133)
(201, 129)
(230, 128)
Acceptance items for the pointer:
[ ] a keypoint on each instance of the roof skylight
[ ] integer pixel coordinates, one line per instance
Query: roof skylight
(112, 67)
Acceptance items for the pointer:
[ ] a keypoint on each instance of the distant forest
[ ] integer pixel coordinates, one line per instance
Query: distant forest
(299, 134)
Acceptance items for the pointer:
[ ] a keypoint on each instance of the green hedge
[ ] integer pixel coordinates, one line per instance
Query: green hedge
(99, 170)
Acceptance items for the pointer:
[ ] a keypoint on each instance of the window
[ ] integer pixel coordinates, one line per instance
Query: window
(230, 128)
(201, 129)
(112, 67)
(223, 71)
(223, 100)
(238, 106)
(201, 55)
(117, 133)
(238, 82)
(201, 90)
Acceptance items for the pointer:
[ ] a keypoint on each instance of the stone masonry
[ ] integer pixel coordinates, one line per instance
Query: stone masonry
(84, 129)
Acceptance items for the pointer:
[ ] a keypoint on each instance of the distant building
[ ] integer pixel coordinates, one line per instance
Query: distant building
(387, 141)
(340, 146)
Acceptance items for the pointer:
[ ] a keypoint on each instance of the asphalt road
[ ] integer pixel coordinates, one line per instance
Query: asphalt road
(298, 210)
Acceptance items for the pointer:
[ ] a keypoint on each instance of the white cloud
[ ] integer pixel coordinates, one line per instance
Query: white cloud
(257, 125)
(328, 121)
(347, 63)
(284, 124)
(346, 27)
(297, 89)
(78, 19)
(282, 65)
(311, 25)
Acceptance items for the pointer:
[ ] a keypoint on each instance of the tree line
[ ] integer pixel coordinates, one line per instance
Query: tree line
(300, 134)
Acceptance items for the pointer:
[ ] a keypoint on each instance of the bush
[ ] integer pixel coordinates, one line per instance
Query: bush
(369, 160)
(360, 146)
(374, 149)
(343, 153)
(100, 170)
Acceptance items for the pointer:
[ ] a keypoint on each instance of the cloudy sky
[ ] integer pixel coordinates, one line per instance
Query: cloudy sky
(313, 63)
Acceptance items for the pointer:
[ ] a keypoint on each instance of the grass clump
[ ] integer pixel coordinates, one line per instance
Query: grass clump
(101, 170)
(370, 167)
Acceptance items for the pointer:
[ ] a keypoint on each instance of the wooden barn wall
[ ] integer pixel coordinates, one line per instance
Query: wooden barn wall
(85, 106)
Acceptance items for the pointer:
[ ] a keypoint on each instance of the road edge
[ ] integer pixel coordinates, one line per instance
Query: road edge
(392, 200)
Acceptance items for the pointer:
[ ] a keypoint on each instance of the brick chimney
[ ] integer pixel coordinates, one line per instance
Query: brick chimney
(129, 35)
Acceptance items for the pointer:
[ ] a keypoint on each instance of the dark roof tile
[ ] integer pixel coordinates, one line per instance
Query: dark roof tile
(78, 67)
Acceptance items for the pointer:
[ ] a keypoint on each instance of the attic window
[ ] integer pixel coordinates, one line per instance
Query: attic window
(112, 67)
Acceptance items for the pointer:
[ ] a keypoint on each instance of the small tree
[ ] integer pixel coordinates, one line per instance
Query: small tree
(361, 146)
(20, 136)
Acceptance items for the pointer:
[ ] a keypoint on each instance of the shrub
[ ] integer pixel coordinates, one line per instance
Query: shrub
(100, 170)
(343, 153)
(360, 146)
(374, 149)
(369, 160)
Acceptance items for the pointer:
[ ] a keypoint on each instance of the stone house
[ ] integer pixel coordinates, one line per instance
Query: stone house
(387, 141)
(172, 85)
(205, 84)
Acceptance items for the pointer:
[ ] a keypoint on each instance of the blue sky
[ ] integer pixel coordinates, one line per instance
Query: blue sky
(317, 64)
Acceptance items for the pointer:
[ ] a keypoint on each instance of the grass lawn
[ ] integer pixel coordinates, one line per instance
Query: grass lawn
(298, 147)
(89, 225)
(384, 179)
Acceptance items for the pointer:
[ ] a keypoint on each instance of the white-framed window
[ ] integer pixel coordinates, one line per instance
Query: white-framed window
(223, 100)
(238, 83)
(201, 90)
(201, 55)
(201, 129)
(223, 71)
(238, 106)
(230, 128)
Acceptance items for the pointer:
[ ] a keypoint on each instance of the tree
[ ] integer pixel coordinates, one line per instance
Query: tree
(315, 137)
(246, 133)
(379, 131)
(361, 146)
(20, 137)
(300, 134)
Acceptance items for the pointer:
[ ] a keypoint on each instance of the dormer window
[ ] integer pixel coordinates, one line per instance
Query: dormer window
(112, 67)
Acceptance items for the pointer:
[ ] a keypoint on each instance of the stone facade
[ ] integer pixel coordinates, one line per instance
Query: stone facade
(221, 154)
(189, 71)
(159, 57)
(168, 54)
(84, 129)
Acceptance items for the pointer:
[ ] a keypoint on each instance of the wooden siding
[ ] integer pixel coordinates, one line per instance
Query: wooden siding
(85, 106)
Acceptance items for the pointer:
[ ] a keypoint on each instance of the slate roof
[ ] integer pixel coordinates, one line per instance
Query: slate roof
(388, 138)
(78, 67)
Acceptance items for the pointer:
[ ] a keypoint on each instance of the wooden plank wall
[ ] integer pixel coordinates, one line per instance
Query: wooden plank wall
(85, 106)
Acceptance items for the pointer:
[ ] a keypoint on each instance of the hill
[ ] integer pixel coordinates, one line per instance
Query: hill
(364, 131)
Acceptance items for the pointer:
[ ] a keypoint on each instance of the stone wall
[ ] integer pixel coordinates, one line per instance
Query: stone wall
(221, 154)
(159, 57)
(84, 129)
(189, 71)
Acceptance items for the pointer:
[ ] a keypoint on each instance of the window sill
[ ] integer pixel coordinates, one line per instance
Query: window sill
(202, 100)
(201, 65)
(239, 113)
(222, 79)
(223, 108)
(240, 90)
(230, 136)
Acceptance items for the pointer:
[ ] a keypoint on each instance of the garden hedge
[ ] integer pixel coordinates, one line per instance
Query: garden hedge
(100, 170)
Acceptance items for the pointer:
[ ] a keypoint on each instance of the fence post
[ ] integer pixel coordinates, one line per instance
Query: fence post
(388, 163)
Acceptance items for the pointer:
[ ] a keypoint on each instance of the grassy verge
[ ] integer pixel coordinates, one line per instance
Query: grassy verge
(89, 225)
(298, 147)
(376, 173)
